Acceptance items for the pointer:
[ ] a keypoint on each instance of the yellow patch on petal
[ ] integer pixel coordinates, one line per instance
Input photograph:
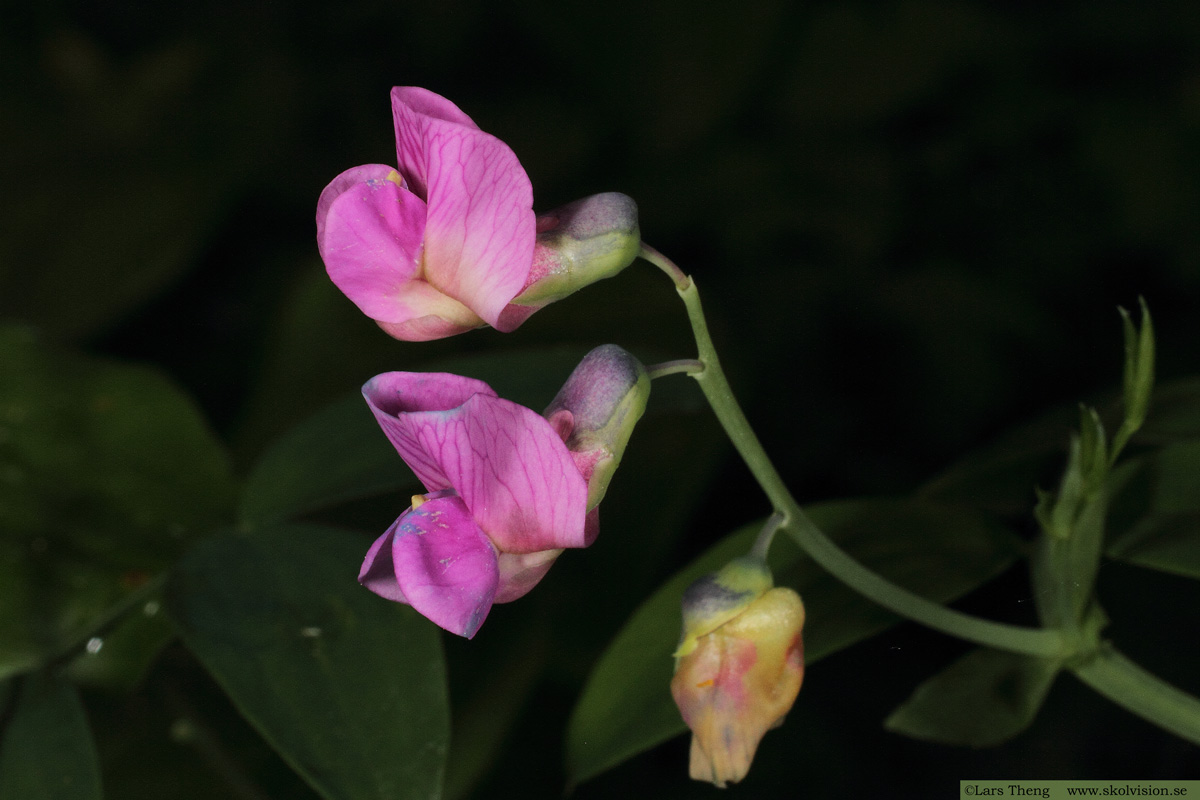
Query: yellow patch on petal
(418, 500)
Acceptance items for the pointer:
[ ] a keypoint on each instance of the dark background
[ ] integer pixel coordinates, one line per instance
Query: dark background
(912, 223)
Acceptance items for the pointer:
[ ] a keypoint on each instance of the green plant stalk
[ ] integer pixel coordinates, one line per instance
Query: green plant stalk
(1044, 642)
(1122, 681)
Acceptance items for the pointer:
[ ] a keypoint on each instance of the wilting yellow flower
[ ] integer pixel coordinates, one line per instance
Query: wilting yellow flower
(738, 668)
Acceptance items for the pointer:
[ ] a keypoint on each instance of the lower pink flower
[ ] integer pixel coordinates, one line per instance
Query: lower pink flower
(504, 498)
(508, 490)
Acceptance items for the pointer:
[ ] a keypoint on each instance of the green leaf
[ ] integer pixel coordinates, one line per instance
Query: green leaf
(502, 673)
(1166, 535)
(46, 749)
(1165, 542)
(981, 700)
(1001, 476)
(943, 553)
(339, 454)
(347, 687)
(106, 470)
(1174, 413)
(120, 657)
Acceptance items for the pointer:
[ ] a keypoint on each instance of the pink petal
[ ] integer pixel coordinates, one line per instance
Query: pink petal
(516, 476)
(520, 572)
(480, 226)
(444, 564)
(396, 395)
(508, 464)
(377, 573)
(369, 232)
(430, 326)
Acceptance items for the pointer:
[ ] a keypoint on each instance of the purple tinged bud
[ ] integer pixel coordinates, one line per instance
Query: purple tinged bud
(579, 244)
(596, 410)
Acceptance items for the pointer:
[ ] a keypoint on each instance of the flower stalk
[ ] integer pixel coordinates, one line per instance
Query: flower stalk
(1043, 642)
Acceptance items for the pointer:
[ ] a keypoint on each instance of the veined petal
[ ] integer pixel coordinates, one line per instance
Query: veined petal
(517, 477)
(370, 231)
(444, 564)
(507, 463)
(480, 226)
(406, 403)
(418, 101)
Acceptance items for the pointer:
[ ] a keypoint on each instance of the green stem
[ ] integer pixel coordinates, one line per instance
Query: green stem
(688, 365)
(1125, 683)
(1044, 642)
(762, 542)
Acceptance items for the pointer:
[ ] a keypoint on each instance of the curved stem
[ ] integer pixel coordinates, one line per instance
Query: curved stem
(1125, 683)
(689, 366)
(1043, 642)
(762, 542)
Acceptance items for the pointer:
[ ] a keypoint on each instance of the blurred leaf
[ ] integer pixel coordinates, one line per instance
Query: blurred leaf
(21, 642)
(338, 454)
(105, 470)
(180, 737)
(1165, 542)
(502, 672)
(1174, 413)
(350, 689)
(131, 232)
(943, 553)
(120, 657)
(1176, 478)
(1164, 533)
(1000, 477)
(46, 749)
(981, 700)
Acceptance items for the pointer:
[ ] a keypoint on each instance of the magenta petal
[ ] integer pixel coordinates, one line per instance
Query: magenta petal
(480, 226)
(377, 573)
(445, 565)
(394, 397)
(514, 473)
(509, 465)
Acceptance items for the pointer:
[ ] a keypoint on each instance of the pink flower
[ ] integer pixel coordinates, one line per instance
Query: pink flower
(446, 241)
(508, 490)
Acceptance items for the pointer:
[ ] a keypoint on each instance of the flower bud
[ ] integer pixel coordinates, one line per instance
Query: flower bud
(595, 412)
(739, 667)
(718, 597)
(578, 244)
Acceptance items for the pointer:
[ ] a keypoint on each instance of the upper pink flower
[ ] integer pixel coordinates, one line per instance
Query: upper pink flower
(442, 243)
